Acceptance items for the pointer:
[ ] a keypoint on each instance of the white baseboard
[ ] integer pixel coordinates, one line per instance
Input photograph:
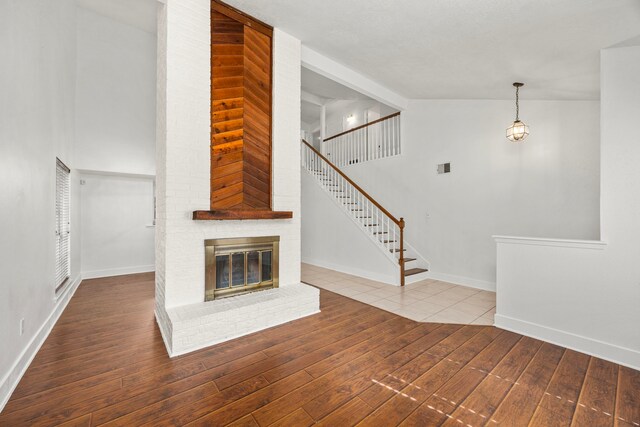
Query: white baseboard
(95, 274)
(12, 378)
(464, 281)
(391, 280)
(613, 353)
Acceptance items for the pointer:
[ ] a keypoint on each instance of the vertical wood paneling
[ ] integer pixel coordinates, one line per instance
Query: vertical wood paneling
(227, 111)
(240, 112)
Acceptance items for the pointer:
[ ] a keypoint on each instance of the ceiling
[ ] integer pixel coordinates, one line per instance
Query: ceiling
(140, 14)
(326, 88)
(464, 49)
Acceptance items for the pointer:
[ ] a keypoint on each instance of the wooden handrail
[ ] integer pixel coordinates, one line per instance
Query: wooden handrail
(362, 126)
(357, 187)
(399, 222)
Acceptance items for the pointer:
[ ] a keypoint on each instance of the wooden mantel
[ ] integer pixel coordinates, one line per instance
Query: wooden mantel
(236, 214)
(241, 98)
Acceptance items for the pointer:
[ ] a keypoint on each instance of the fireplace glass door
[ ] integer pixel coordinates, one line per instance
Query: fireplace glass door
(241, 265)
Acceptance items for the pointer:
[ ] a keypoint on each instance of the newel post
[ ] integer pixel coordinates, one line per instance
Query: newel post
(401, 260)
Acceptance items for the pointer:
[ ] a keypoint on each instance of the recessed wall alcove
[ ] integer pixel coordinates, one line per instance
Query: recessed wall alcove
(241, 118)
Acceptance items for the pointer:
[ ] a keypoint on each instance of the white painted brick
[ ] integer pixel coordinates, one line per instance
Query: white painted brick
(183, 180)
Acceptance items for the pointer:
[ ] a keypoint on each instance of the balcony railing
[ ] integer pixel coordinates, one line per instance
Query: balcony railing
(375, 140)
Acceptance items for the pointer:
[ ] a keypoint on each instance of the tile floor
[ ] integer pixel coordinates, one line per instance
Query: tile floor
(425, 301)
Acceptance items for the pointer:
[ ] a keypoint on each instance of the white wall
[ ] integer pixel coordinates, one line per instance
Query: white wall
(339, 110)
(548, 186)
(115, 95)
(586, 295)
(37, 86)
(115, 130)
(330, 236)
(117, 231)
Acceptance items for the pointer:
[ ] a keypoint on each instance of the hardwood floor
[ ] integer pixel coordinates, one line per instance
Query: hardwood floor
(105, 364)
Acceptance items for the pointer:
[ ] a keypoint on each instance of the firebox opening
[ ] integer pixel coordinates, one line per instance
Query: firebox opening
(240, 265)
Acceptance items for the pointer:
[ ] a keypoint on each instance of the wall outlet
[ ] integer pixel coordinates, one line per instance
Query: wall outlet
(21, 327)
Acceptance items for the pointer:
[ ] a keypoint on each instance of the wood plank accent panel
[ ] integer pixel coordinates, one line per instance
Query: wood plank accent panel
(350, 364)
(240, 113)
(227, 111)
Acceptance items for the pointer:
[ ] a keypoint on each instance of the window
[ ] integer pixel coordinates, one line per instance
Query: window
(62, 224)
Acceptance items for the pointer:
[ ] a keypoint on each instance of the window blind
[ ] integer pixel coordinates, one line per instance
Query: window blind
(63, 222)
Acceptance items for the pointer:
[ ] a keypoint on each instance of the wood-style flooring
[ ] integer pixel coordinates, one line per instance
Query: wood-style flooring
(105, 364)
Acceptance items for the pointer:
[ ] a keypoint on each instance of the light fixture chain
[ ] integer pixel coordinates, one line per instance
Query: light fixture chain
(517, 103)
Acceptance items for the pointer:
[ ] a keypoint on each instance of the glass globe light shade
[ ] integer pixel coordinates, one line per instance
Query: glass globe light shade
(517, 132)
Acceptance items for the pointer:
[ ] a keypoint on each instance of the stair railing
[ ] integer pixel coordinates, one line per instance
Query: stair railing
(375, 140)
(371, 215)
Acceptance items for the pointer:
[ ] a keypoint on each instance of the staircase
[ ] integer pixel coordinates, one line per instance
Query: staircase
(384, 229)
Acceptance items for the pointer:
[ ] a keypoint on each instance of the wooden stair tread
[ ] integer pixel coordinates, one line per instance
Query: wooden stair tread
(412, 271)
(409, 259)
(396, 250)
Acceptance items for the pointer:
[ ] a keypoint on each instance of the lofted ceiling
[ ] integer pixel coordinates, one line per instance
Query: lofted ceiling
(463, 49)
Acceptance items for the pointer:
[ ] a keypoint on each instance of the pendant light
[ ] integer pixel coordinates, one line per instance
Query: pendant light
(518, 131)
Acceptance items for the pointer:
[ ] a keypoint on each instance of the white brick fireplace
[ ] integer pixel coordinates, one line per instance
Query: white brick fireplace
(185, 320)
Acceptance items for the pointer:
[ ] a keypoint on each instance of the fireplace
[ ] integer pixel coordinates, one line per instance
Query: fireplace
(240, 265)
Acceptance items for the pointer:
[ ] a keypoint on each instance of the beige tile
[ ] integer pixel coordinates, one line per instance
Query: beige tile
(489, 317)
(366, 298)
(486, 295)
(445, 300)
(491, 312)
(423, 282)
(449, 315)
(320, 281)
(333, 287)
(403, 299)
(480, 302)
(355, 286)
(426, 308)
(378, 285)
(416, 294)
(444, 285)
(386, 304)
(474, 310)
(462, 290)
(434, 288)
(383, 292)
(347, 292)
(428, 291)
(409, 314)
(482, 321)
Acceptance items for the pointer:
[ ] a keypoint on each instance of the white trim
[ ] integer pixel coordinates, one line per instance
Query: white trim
(95, 274)
(565, 243)
(115, 173)
(464, 281)
(611, 352)
(390, 280)
(12, 378)
(329, 68)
